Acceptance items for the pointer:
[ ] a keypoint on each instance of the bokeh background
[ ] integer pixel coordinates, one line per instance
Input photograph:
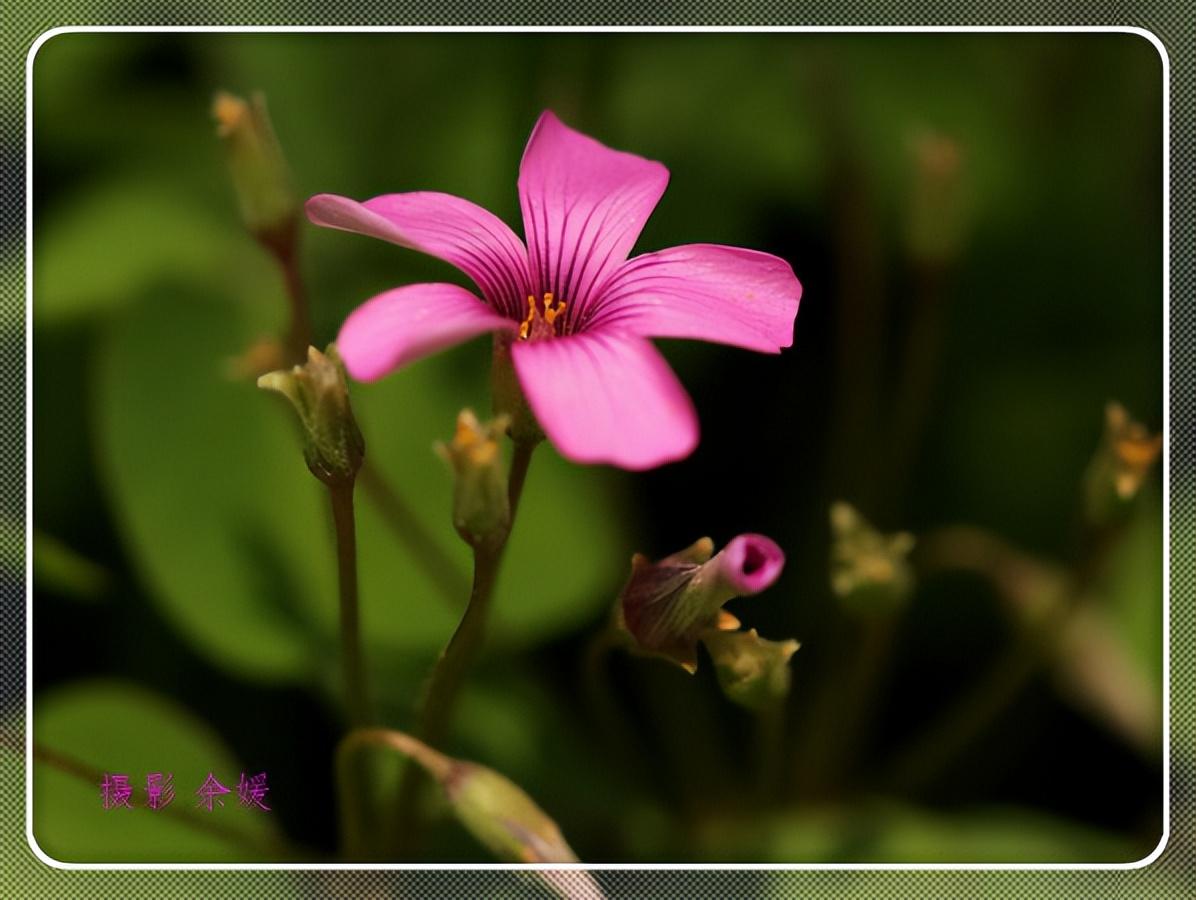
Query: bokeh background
(976, 221)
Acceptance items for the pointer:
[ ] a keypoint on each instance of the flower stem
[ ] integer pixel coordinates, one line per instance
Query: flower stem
(356, 697)
(520, 461)
(359, 829)
(426, 551)
(770, 747)
(436, 711)
(299, 333)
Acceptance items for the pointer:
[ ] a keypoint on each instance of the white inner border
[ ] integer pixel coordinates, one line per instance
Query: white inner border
(1145, 861)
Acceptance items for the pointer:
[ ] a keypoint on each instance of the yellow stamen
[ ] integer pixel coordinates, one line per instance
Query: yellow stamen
(552, 308)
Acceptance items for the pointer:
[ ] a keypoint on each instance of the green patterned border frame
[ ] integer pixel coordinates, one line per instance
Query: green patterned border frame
(1169, 871)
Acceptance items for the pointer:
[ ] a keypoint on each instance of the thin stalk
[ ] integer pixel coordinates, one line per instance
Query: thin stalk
(966, 719)
(356, 697)
(300, 332)
(838, 716)
(436, 712)
(918, 372)
(426, 551)
(969, 716)
(607, 714)
(520, 461)
(449, 674)
(770, 740)
(360, 838)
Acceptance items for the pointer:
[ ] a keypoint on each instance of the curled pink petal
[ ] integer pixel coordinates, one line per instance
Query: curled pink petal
(750, 563)
(450, 228)
(407, 323)
(607, 398)
(707, 292)
(584, 206)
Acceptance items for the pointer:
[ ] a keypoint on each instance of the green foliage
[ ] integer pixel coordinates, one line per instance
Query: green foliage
(118, 728)
(232, 534)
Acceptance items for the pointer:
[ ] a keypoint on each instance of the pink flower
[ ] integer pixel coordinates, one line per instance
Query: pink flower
(577, 312)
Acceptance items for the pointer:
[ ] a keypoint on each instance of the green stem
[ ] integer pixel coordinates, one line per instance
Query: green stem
(299, 334)
(454, 663)
(426, 551)
(914, 394)
(360, 839)
(770, 740)
(967, 719)
(436, 711)
(357, 701)
(608, 715)
(520, 461)
(1024, 583)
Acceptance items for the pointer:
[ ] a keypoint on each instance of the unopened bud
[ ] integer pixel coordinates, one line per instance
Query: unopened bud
(503, 817)
(333, 445)
(492, 808)
(269, 205)
(481, 508)
(1126, 455)
(666, 606)
(751, 671)
(869, 571)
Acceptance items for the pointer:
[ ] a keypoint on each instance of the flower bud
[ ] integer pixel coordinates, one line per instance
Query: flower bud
(751, 671)
(481, 508)
(1126, 455)
(492, 808)
(333, 445)
(269, 206)
(667, 606)
(503, 817)
(869, 571)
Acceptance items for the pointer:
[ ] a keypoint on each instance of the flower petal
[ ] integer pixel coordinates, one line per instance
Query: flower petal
(607, 398)
(584, 205)
(706, 292)
(450, 228)
(404, 324)
(750, 563)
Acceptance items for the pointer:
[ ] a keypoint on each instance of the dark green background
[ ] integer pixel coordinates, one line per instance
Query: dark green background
(187, 493)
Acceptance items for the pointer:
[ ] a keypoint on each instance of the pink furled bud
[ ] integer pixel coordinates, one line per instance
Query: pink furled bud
(668, 605)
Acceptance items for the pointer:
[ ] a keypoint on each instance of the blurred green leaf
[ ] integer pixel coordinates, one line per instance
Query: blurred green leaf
(59, 567)
(232, 534)
(117, 728)
(119, 238)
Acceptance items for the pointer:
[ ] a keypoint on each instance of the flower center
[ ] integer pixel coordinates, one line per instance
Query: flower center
(540, 318)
